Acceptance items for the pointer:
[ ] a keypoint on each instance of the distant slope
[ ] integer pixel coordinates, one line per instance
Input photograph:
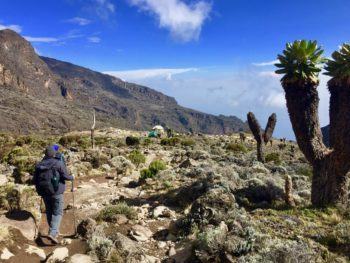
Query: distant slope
(41, 93)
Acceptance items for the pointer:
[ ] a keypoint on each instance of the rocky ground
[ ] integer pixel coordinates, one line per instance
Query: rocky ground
(192, 198)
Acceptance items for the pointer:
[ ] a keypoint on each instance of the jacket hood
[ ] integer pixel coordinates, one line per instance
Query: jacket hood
(47, 163)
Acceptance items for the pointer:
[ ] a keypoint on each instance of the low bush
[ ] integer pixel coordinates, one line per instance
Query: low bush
(170, 141)
(137, 158)
(99, 245)
(273, 157)
(75, 140)
(236, 147)
(188, 142)
(132, 141)
(146, 173)
(152, 170)
(108, 214)
(147, 141)
(157, 165)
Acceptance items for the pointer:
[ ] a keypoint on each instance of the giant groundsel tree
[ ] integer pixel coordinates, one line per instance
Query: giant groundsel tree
(301, 63)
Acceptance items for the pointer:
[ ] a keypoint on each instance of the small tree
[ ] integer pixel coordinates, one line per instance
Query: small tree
(258, 135)
(301, 63)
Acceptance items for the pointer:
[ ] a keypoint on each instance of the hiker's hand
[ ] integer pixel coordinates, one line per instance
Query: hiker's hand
(73, 177)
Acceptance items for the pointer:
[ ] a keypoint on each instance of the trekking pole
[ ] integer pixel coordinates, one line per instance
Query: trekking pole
(74, 222)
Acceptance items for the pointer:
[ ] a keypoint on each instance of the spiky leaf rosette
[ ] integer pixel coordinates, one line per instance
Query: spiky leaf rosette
(301, 61)
(339, 67)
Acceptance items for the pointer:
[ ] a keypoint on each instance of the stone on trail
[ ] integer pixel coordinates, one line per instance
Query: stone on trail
(6, 254)
(59, 254)
(80, 258)
(140, 233)
(162, 211)
(25, 223)
(35, 250)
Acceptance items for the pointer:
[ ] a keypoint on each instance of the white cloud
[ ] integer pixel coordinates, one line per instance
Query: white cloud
(184, 21)
(263, 64)
(94, 39)
(274, 99)
(15, 28)
(165, 73)
(102, 8)
(57, 40)
(79, 21)
(41, 39)
(270, 74)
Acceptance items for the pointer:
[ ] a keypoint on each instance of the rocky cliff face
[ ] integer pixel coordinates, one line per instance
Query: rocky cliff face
(45, 94)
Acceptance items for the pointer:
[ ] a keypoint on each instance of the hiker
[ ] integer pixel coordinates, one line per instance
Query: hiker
(49, 179)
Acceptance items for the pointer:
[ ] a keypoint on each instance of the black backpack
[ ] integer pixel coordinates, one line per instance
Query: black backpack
(47, 181)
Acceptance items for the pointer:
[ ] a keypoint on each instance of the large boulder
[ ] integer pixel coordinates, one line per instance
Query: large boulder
(122, 165)
(23, 221)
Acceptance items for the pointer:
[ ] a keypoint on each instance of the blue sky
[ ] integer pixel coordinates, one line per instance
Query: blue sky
(213, 56)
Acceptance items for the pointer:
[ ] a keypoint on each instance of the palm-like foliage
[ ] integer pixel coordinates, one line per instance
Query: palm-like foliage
(339, 67)
(301, 60)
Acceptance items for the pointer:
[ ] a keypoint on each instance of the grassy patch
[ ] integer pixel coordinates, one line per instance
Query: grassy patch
(108, 214)
(170, 141)
(236, 147)
(273, 157)
(137, 158)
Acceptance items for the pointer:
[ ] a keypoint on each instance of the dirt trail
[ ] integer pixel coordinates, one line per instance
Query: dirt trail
(67, 231)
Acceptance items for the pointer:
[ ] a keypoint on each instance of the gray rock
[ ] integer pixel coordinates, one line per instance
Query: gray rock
(162, 211)
(26, 226)
(140, 233)
(59, 254)
(35, 250)
(6, 254)
(122, 165)
(171, 252)
(80, 258)
(120, 219)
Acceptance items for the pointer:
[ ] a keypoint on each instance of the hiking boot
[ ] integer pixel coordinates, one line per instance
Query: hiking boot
(53, 239)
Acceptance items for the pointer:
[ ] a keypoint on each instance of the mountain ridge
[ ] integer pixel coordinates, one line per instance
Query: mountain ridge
(46, 94)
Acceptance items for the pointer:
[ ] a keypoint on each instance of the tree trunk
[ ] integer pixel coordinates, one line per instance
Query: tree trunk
(260, 151)
(329, 183)
(93, 131)
(302, 104)
(92, 139)
(339, 127)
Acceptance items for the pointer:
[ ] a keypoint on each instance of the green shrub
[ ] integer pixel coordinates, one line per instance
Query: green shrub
(273, 157)
(157, 165)
(132, 141)
(153, 169)
(147, 141)
(170, 141)
(75, 140)
(136, 157)
(236, 147)
(146, 173)
(305, 170)
(108, 214)
(188, 142)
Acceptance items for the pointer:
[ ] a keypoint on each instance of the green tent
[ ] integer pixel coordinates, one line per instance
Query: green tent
(153, 134)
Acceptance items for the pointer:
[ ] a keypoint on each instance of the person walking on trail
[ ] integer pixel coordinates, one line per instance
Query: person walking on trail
(49, 179)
